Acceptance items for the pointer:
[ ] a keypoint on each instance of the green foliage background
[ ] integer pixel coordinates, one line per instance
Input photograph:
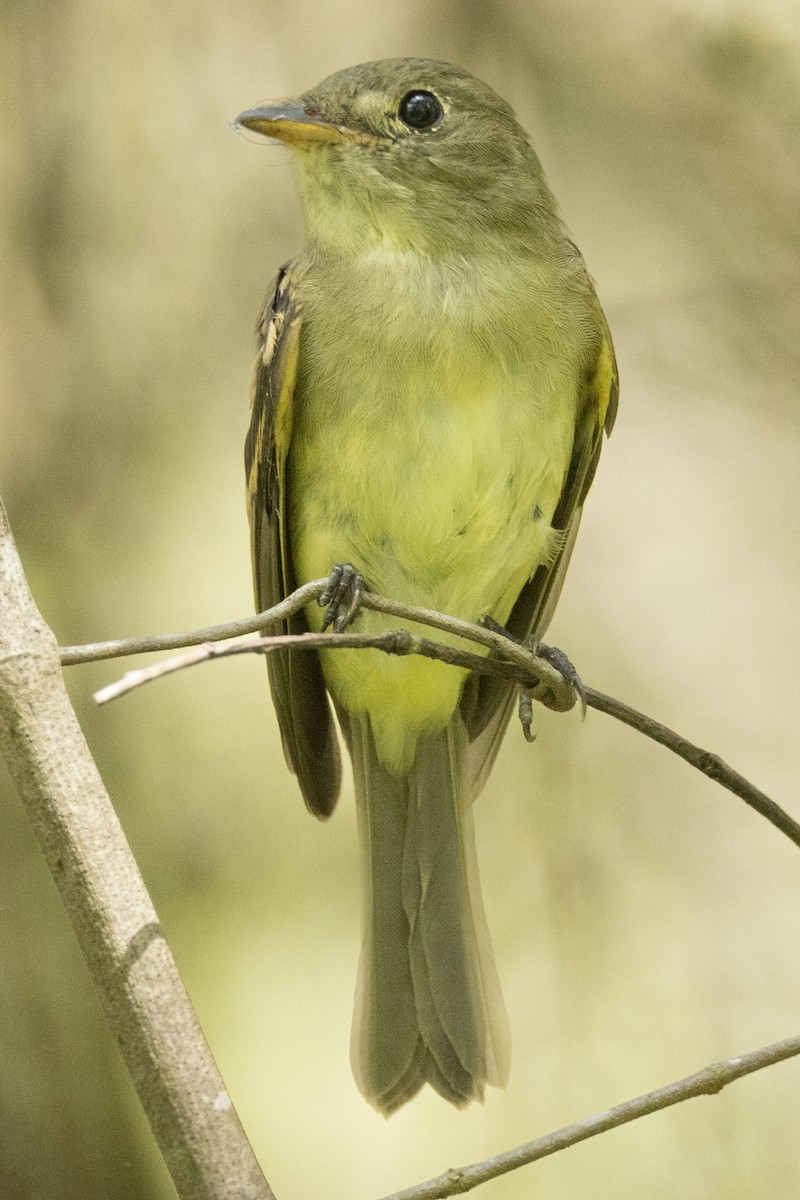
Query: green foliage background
(645, 922)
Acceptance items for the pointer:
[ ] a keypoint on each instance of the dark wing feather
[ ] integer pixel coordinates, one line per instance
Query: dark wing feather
(487, 702)
(296, 681)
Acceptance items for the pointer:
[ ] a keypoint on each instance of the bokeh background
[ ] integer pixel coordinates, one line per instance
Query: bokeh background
(646, 922)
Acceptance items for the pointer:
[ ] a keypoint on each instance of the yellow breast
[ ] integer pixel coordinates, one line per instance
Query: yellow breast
(434, 467)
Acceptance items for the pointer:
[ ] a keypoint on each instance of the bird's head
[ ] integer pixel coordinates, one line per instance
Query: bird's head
(408, 153)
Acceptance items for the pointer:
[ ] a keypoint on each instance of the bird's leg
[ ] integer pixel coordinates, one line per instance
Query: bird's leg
(342, 597)
(489, 623)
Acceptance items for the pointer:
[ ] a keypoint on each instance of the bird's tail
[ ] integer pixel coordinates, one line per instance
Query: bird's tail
(428, 1002)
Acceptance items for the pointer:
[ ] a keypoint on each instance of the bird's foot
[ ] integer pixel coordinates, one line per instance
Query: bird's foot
(544, 693)
(342, 597)
(540, 691)
(558, 659)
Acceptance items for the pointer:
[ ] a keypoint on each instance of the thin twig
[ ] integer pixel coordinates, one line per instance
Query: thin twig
(507, 659)
(708, 1082)
(394, 641)
(706, 762)
(560, 694)
(182, 1093)
(122, 647)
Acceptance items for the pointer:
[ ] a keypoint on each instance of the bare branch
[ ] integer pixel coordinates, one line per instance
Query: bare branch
(394, 641)
(506, 659)
(706, 762)
(557, 694)
(708, 1082)
(182, 1093)
(95, 651)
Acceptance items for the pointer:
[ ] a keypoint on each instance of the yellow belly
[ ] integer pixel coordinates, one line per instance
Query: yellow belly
(435, 472)
(439, 484)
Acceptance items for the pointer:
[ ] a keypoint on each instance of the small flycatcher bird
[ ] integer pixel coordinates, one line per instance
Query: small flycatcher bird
(433, 379)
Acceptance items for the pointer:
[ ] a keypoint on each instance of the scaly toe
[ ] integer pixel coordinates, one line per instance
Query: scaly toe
(342, 597)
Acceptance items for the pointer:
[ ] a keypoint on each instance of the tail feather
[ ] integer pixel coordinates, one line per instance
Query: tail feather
(428, 1002)
(452, 949)
(385, 1049)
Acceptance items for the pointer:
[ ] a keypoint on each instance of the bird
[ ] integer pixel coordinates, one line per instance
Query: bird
(433, 380)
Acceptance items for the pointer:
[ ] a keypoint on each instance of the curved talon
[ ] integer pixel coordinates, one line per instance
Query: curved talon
(558, 659)
(342, 597)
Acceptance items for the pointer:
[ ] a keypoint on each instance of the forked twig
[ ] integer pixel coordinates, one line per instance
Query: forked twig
(505, 658)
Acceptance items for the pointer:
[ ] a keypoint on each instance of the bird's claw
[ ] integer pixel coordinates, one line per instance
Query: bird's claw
(342, 597)
(558, 659)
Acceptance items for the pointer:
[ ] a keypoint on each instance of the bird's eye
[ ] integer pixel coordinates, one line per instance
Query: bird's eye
(420, 110)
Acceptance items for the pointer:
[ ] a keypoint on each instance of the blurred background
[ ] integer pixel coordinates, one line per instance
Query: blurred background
(646, 922)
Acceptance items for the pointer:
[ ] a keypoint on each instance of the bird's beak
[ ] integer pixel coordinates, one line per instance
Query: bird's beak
(293, 124)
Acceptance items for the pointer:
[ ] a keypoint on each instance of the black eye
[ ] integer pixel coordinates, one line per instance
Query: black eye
(420, 110)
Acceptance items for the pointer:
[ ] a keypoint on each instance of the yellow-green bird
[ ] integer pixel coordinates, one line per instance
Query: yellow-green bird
(433, 379)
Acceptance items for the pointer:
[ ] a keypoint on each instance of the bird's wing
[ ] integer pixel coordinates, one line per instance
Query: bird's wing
(487, 702)
(296, 681)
